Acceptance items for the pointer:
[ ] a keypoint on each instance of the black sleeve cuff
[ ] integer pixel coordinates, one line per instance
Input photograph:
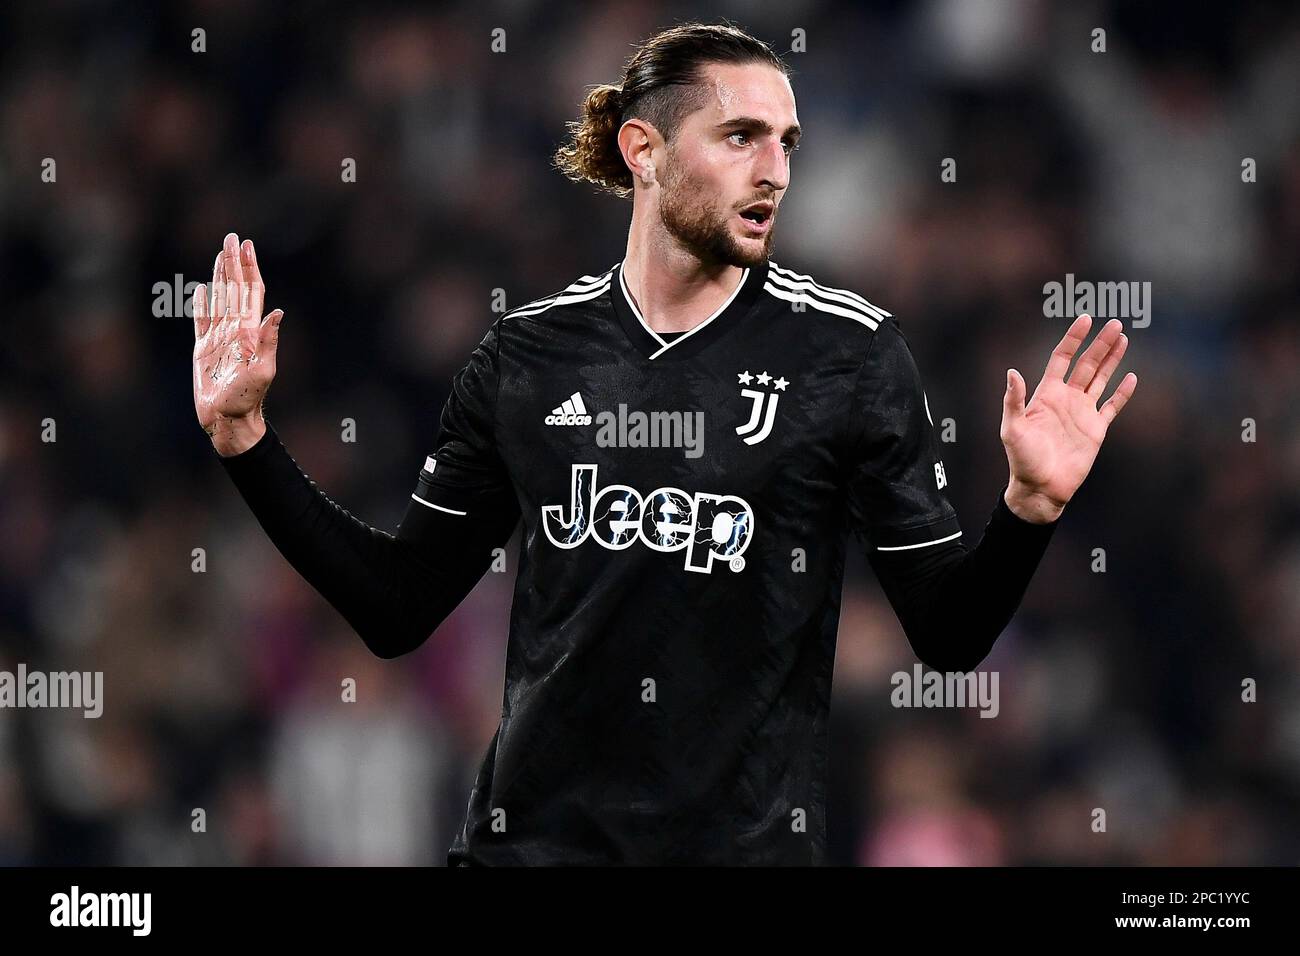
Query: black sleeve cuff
(250, 457)
(1008, 522)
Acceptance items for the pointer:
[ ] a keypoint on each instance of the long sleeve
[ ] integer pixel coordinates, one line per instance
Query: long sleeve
(953, 600)
(395, 589)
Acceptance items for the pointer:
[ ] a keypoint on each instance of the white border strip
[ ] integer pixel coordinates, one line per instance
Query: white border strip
(923, 544)
(744, 277)
(430, 504)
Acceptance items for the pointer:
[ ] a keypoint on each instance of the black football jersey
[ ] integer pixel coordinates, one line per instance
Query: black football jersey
(686, 502)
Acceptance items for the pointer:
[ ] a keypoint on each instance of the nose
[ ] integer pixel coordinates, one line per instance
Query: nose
(771, 166)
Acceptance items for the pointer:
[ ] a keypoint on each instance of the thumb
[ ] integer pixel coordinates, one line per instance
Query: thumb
(1013, 399)
(270, 332)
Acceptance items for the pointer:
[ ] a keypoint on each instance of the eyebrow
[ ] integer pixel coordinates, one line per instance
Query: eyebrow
(753, 122)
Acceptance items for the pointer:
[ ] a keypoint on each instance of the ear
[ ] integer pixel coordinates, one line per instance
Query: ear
(636, 141)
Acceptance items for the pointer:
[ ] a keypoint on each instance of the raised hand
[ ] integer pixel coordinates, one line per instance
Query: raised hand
(234, 349)
(1052, 443)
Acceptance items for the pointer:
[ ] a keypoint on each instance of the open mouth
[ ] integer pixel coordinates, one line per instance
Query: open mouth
(757, 218)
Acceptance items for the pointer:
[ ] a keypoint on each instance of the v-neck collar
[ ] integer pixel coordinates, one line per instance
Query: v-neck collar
(653, 347)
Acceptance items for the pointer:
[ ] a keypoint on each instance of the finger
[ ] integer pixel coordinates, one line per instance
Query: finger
(234, 277)
(1013, 398)
(248, 319)
(253, 275)
(230, 255)
(1065, 349)
(1108, 366)
(219, 288)
(233, 311)
(1115, 404)
(200, 310)
(1095, 354)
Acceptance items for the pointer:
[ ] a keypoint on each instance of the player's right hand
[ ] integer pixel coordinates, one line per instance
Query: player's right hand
(234, 348)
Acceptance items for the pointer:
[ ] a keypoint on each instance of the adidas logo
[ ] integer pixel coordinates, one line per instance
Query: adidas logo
(572, 412)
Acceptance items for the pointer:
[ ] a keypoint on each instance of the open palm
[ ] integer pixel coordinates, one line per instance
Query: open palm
(1052, 443)
(234, 348)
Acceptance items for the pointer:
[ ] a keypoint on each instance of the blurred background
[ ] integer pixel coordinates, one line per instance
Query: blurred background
(1120, 690)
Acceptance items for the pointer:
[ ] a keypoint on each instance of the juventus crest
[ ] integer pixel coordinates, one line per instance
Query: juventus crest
(763, 412)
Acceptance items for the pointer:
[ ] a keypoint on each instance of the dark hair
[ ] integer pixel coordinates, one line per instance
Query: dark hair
(663, 83)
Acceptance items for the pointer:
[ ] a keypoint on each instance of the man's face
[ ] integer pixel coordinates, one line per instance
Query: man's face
(730, 154)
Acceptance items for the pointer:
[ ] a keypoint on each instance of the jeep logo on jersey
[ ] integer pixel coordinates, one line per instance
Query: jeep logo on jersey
(569, 412)
(709, 527)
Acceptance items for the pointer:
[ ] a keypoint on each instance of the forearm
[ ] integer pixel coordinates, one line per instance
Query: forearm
(954, 601)
(392, 592)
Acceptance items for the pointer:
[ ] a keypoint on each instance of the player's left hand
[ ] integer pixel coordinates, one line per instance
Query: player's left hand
(1052, 443)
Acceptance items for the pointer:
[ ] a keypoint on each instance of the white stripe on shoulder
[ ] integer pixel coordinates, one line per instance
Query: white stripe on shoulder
(588, 287)
(806, 299)
(814, 291)
(795, 280)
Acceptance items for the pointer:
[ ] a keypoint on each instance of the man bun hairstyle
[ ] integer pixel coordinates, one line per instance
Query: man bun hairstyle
(663, 83)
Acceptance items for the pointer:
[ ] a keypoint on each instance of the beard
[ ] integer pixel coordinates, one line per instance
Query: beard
(694, 221)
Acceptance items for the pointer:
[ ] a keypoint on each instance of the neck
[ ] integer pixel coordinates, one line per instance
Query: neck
(672, 288)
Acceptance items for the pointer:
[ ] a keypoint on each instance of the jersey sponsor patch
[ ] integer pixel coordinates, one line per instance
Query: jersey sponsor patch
(709, 527)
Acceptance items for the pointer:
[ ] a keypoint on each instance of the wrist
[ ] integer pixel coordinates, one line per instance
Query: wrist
(235, 435)
(1030, 505)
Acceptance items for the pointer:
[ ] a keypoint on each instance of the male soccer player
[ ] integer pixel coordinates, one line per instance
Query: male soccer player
(687, 436)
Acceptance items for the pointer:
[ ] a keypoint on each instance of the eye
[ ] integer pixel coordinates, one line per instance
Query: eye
(739, 132)
(790, 147)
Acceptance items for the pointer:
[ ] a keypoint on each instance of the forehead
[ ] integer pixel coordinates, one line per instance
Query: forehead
(750, 89)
